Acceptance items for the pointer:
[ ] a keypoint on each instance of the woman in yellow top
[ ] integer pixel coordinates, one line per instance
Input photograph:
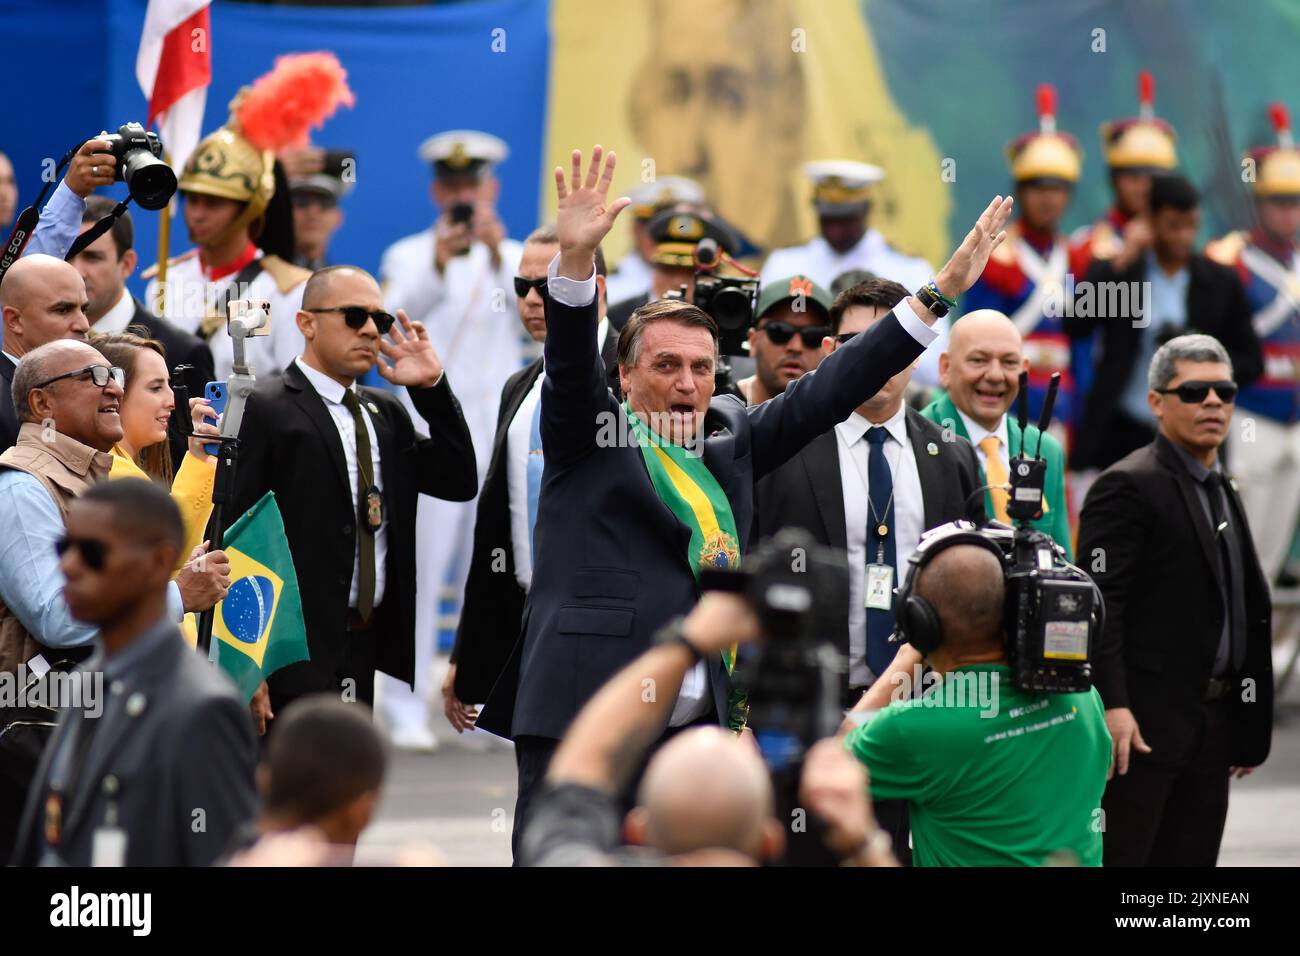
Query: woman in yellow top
(144, 451)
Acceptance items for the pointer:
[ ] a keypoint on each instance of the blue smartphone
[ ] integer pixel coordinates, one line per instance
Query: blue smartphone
(215, 393)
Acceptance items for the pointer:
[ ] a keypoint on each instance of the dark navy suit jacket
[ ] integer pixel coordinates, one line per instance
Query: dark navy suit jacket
(610, 566)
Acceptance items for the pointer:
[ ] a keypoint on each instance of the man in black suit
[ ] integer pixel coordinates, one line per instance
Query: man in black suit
(826, 488)
(346, 466)
(615, 556)
(1184, 665)
(501, 567)
(123, 781)
(42, 299)
(1142, 298)
(105, 265)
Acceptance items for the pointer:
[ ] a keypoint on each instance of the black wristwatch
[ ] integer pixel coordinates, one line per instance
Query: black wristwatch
(927, 297)
(673, 633)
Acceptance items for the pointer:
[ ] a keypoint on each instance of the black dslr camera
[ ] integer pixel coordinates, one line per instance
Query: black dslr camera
(793, 676)
(150, 181)
(729, 301)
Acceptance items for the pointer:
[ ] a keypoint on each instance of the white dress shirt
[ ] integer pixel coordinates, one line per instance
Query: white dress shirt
(118, 317)
(518, 443)
(331, 392)
(693, 700)
(908, 510)
(978, 433)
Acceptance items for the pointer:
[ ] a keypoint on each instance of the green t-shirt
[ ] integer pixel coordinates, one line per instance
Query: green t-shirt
(992, 776)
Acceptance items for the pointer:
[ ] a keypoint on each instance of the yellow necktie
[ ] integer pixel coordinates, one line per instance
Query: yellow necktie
(996, 472)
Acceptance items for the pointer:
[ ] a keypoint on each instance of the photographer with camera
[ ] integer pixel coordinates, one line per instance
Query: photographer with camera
(705, 798)
(993, 775)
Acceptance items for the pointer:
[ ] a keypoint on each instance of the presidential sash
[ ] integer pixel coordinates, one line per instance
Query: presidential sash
(695, 498)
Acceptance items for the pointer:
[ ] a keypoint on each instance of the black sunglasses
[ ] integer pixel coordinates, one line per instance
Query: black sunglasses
(522, 286)
(844, 338)
(781, 332)
(99, 374)
(94, 553)
(356, 316)
(1193, 393)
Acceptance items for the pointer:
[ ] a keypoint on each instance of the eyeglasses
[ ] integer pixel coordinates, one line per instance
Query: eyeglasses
(781, 332)
(844, 338)
(99, 374)
(1194, 393)
(522, 286)
(94, 553)
(356, 316)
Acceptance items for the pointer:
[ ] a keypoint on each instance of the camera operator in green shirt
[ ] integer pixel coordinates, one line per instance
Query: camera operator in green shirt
(993, 776)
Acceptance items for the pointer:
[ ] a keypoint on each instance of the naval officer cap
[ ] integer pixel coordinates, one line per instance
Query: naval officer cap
(463, 152)
(678, 230)
(842, 187)
(650, 198)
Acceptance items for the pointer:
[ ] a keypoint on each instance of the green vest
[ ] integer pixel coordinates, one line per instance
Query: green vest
(1056, 517)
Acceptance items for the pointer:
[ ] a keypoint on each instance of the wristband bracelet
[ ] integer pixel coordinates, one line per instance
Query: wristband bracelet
(934, 287)
(928, 296)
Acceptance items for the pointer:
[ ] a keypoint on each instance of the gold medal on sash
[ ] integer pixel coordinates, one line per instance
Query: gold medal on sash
(720, 551)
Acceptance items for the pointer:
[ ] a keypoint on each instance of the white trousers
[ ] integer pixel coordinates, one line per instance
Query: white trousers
(1265, 459)
(444, 537)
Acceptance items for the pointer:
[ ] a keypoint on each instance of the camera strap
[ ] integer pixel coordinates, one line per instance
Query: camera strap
(97, 230)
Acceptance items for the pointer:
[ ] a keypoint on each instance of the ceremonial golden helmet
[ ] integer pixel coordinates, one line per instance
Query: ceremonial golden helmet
(1142, 142)
(1046, 154)
(225, 164)
(1277, 168)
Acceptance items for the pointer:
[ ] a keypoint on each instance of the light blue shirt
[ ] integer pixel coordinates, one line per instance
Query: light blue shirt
(31, 581)
(1166, 308)
(60, 224)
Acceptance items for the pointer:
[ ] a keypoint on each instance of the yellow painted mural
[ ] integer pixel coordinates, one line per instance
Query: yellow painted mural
(737, 94)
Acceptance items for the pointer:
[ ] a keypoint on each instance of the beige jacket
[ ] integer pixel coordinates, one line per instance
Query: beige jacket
(66, 468)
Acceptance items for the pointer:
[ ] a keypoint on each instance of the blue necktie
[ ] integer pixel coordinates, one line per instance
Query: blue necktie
(880, 623)
(535, 463)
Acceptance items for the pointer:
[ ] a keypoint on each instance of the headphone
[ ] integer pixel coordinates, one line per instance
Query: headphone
(916, 622)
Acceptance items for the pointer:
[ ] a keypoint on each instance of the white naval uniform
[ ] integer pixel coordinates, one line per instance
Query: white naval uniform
(473, 322)
(189, 299)
(819, 262)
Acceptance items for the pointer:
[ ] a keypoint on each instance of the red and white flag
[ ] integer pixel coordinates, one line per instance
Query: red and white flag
(174, 68)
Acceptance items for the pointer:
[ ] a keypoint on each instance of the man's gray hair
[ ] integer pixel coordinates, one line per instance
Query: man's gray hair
(32, 369)
(1184, 348)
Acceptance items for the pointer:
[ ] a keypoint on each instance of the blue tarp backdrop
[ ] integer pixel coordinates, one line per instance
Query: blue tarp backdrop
(415, 71)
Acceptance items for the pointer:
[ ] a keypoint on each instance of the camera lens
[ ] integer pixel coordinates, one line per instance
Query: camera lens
(731, 309)
(150, 181)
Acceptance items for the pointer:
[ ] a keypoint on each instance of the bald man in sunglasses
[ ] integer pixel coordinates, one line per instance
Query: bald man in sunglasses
(1184, 665)
(347, 468)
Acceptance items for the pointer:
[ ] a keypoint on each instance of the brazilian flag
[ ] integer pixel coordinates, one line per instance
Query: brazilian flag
(258, 625)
